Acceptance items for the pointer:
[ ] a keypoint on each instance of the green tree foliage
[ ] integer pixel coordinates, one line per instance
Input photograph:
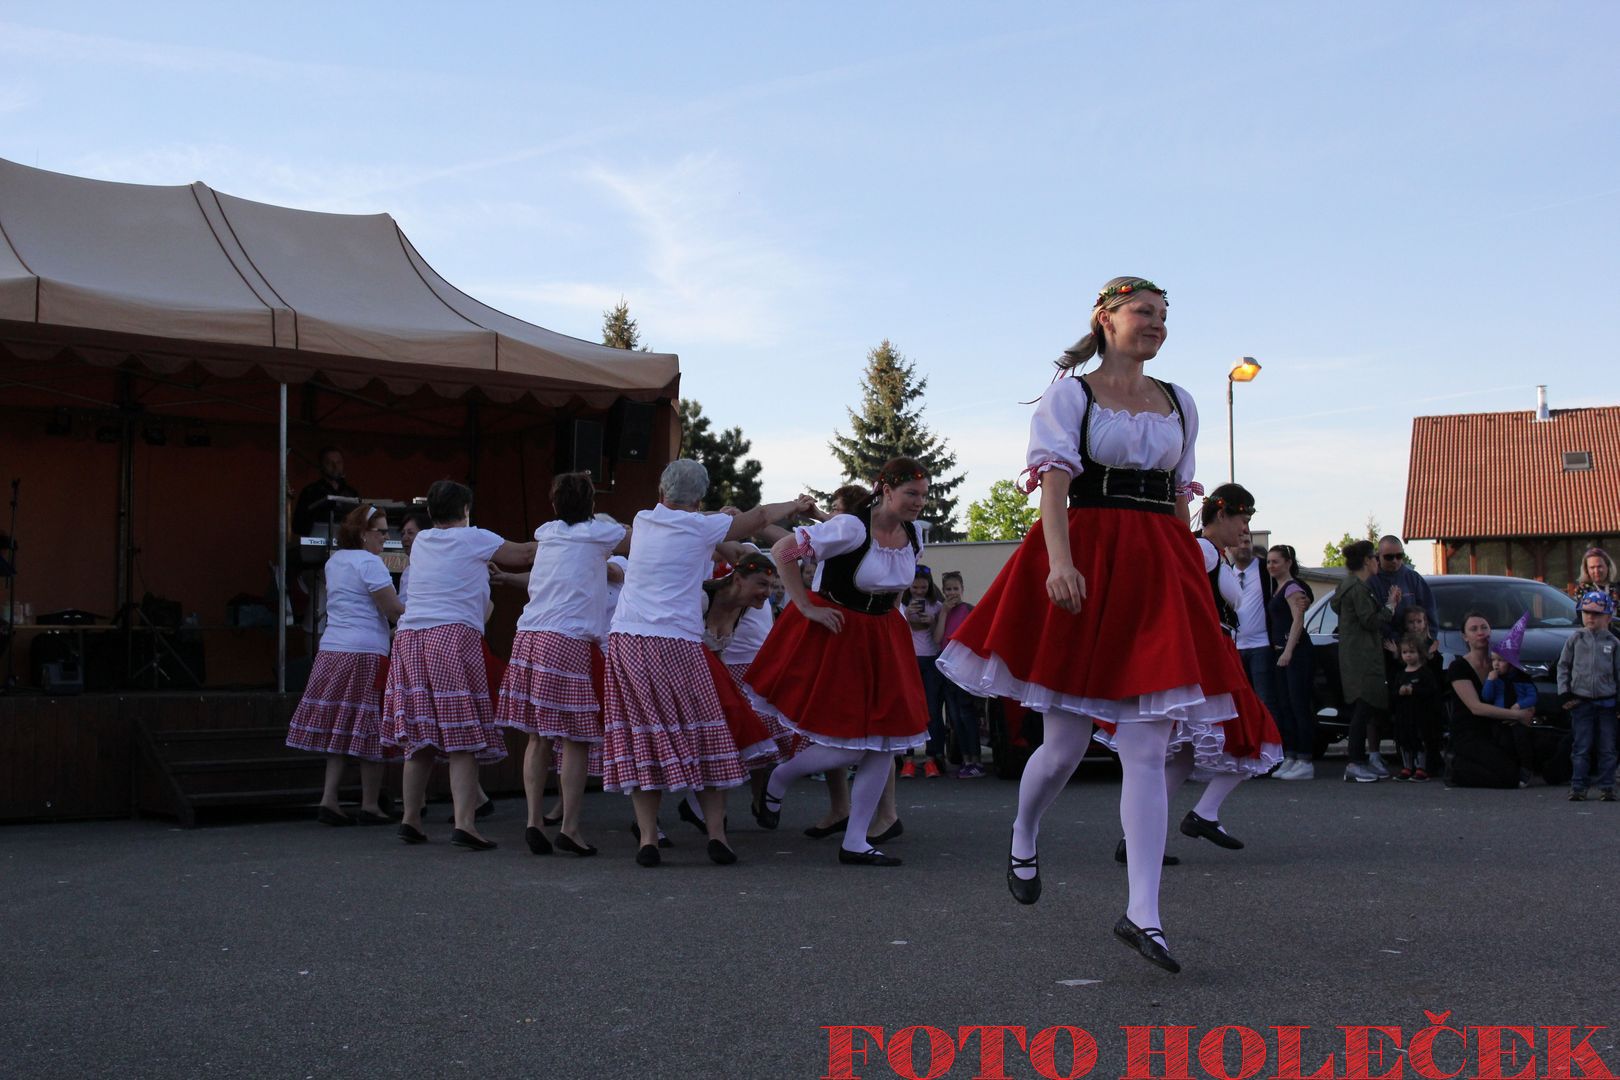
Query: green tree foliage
(1004, 514)
(1333, 553)
(619, 330)
(889, 424)
(733, 479)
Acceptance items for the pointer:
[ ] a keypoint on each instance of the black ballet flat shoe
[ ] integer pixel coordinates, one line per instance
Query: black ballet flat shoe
(538, 844)
(1119, 855)
(1195, 826)
(1024, 890)
(821, 832)
(768, 811)
(663, 841)
(688, 815)
(887, 834)
(869, 857)
(647, 855)
(719, 853)
(569, 844)
(332, 817)
(551, 822)
(485, 809)
(1141, 938)
(368, 818)
(412, 836)
(463, 839)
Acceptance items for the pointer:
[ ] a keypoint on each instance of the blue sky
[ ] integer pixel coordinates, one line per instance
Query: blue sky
(1398, 209)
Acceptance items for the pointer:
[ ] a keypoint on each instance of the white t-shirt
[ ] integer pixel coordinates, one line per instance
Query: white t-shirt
(614, 588)
(353, 623)
(1126, 440)
(671, 553)
(882, 569)
(450, 577)
(404, 581)
(1251, 608)
(752, 630)
(568, 587)
(922, 641)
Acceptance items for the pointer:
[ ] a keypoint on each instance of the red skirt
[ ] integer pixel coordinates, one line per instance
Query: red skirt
(552, 687)
(1146, 644)
(438, 696)
(858, 689)
(340, 711)
(788, 742)
(664, 728)
(748, 731)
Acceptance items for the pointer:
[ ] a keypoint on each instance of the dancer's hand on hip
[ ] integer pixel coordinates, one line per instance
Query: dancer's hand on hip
(1066, 588)
(831, 618)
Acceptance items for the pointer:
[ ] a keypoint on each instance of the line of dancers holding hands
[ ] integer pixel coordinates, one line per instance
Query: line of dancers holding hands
(655, 672)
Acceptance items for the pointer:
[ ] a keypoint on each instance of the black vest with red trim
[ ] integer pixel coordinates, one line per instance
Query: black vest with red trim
(838, 572)
(1153, 490)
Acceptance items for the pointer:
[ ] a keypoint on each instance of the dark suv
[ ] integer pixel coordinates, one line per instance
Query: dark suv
(1501, 600)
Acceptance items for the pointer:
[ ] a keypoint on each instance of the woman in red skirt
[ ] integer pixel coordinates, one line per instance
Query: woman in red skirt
(664, 725)
(438, 701)
(839, 667)
(551, 685)
(1104, 616)
(338, 714)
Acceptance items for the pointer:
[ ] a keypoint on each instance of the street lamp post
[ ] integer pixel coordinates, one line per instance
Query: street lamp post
(1244, 370)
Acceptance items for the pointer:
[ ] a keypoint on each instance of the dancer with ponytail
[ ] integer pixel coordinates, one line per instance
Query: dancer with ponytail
(839, 668)
(1223, 755)
(552, 686)
(1103, 616)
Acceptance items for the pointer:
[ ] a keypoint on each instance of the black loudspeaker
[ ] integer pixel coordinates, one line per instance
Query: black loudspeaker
(579, 447)
(630, 427)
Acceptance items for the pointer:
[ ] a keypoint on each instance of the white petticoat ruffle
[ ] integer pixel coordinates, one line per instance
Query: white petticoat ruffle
(989, 677)
(1210, 758)
(887, 743)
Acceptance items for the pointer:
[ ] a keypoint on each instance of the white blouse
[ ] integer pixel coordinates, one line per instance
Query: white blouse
(882, 569)
(1231, 591)
(568, 587)
(1123, 439)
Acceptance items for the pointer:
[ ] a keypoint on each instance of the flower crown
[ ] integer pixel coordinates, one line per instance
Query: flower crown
(1126, 289)
(1219, 503)
(895, 479)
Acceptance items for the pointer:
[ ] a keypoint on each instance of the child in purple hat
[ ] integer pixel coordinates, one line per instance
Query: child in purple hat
(1507, 685)
(1588, 682)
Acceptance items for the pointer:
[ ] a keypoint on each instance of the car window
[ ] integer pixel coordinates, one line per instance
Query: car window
(1323, 621)
(1503, 601)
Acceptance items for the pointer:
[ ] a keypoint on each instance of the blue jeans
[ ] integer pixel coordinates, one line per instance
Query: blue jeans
(1257, 666)
(963, 710)
(1587, 719)
(933, 681)
(1291, 692)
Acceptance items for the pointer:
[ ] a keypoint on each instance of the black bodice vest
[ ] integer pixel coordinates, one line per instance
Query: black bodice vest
(838, 573)
(1153, 490)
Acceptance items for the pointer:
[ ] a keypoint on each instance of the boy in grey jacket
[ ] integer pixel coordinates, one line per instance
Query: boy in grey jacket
(1588, 681)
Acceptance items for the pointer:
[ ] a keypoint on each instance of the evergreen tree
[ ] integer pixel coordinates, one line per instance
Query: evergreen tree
(1004, 514)
(890, 424)
(619, 330)
(733, 480)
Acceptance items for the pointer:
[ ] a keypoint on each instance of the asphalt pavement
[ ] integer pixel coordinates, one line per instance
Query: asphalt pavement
(281, 948)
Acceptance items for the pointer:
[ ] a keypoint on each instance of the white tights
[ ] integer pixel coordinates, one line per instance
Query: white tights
(872, 769)
(1143, 802)
(1215, 792)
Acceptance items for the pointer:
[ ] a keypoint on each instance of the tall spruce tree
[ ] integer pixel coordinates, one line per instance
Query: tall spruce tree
(619, 329)
(889, 424)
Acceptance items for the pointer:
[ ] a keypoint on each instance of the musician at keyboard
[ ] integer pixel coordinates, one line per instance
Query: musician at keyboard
(312, 508)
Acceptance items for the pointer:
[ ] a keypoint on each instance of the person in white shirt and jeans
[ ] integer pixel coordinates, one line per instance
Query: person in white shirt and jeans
(1253, 642)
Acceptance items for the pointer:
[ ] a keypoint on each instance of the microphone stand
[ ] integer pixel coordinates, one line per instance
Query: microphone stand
(11, 594)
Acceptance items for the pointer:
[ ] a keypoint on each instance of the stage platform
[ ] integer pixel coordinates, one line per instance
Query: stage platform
(182, 755)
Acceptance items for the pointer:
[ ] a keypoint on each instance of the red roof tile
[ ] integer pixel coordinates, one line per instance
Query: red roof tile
(1502, 474)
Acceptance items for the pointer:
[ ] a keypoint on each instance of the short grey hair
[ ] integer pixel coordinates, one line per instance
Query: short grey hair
(684, 482)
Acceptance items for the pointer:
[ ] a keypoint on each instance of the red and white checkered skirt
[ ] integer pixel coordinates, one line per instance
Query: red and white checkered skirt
(664, 728)
(788, 742)
(341, 710)
(438, 695)
(551, 687)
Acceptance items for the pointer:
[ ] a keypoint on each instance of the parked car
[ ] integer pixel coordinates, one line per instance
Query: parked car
(1502, 600)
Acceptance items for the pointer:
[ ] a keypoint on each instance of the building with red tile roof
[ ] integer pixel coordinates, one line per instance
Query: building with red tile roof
(1516, 493)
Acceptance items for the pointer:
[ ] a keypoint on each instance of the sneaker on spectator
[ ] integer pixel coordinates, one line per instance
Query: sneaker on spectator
(1607, 795)
(1404, 774)
(969, 771)
(1375, 762)
(1288, 770)
(1577, 795)
(1360, 772)
(930, 769)
(908, 770)
(1419, 776)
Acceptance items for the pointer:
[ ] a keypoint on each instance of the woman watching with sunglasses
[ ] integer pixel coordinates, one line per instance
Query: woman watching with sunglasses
(1293, 663)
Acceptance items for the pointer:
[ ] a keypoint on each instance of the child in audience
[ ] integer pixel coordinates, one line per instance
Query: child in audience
(1588, 682)
(1418, 718)
(961, 707)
